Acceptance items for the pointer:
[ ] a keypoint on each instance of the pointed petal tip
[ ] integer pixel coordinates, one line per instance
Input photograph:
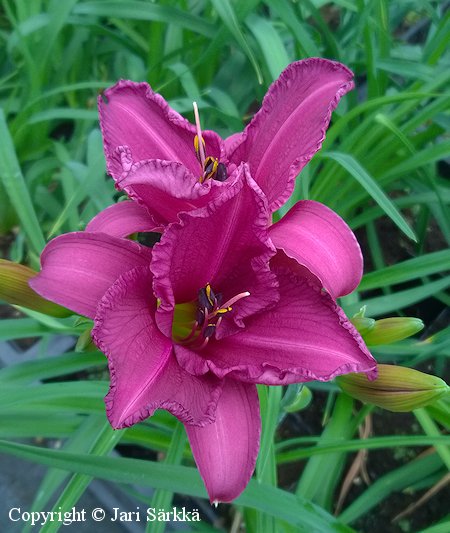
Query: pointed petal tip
(291, 125)
(226, 450)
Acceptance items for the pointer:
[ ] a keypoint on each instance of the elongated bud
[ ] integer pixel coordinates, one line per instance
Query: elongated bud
(389, 330)
(299, 401)
(85, 342)
(14, 289)
(397, 388)
(363, 324)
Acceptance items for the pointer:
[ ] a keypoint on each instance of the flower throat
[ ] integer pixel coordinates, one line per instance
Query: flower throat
(196, 322)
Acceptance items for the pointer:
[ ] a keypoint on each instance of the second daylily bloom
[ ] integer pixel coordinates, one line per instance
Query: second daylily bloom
(214, 308)
(158, 158)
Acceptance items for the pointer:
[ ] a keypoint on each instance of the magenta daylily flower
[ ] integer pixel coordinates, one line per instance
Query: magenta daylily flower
(214, 308)
(155, 156)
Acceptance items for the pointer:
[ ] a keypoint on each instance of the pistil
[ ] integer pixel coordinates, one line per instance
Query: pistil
(211, 168)
(200, 140)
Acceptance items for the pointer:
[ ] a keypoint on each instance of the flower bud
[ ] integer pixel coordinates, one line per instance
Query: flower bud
(363, 324)
(397, 388)
(300, 401)
(14, 289)
(85, 342)
(389, 330)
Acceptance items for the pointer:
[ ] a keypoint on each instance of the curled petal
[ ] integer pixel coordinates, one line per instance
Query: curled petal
(226, 450)
(122, 219)
(166, 189)
(132, 114)
(305, 337)
(144, 373)
(320, 240)
(78, 268)
(291, 124)
(225, 244)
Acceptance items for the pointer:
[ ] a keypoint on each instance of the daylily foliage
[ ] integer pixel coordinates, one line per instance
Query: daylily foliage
(224, 301)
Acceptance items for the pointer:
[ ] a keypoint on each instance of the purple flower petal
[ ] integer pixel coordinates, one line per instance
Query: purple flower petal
(319, 239)
(78, 268)
(225, 244)
(132, 115)
(144, 373)
(233, 141)
(122, 219)
(305, 337)
(226, 450)
(291, 124)
(166, 189)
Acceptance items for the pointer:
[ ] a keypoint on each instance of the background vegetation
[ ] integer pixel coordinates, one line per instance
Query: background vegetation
(383, 168)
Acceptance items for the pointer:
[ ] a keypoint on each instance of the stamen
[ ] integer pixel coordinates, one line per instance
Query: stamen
(208, 293)
(191, 334)
(203, 344)
(199, 135)
(235, 299)
(197, 322)
(210, 169)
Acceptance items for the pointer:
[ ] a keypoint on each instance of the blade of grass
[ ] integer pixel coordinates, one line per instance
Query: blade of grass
(272, 47)
(80, 440)
(16, 189)
(394, 481)
(106, 440)
(352, 445)
(415, 268)
(162, 499)
(226, 12)
(431, 429)
(386, 304)
(266, 465)
(183, 480)
(147, 11)
(370, 185)
(327, 468)
(287, 14)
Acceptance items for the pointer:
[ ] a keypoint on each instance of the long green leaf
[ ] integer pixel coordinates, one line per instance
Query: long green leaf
(226, 12)
(147, 11)
(16, 189)
(380, 305)
(183, 480)
(365, 180)
(418, 267)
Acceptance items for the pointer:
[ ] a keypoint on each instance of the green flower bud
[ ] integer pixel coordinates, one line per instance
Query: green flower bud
(363, 324)
(14, 289)
(397, 388)
(389, 330)
(85, 342)
(301, 400)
